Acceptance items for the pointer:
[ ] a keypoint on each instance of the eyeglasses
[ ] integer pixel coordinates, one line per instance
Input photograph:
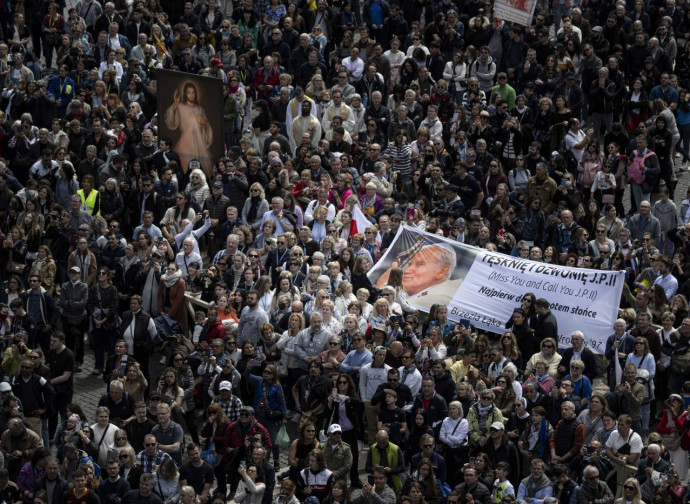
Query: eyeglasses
(123, 438)
(343, 382)
(430, 445)
(102, 273)
(244, 414)
(547, 346)
(333, 343)
(499, 382)
(178, 360)
(150, 444)
(27, 367)
(34, 357)
(629, 487)
(486, 398)
(255, 190)
(123, 455)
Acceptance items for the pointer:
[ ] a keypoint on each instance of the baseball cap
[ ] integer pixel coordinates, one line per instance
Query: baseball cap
(248, 409)
(225, 385)
(216, 62)
(217, 184)
(335, 428)
(5, 387)
(75, 269)
(554, 154)
(498, 426)
(598, 29)
(569, 75)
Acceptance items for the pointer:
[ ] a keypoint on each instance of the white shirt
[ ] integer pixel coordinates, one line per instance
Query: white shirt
(356, 66)
(107, 440)
(616, 441)
(309, 212)
(571, 140)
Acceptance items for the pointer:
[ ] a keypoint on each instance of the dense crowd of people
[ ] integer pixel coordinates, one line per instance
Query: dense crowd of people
(225, 296)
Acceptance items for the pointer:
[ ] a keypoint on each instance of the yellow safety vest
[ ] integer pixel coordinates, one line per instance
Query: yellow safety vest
(89, 203)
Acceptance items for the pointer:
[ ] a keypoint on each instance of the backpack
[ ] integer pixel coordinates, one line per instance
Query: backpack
(588, 171)
(636, 166)
(643, 378)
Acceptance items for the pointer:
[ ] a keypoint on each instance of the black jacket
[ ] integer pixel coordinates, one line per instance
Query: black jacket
(547, 327)
(404, 394)
(437, 410)
(61, 486)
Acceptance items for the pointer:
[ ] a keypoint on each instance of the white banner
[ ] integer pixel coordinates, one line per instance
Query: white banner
(516, 11)
(484, 287)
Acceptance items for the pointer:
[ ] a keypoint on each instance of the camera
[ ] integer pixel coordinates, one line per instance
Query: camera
(683, 233)
(281, 305)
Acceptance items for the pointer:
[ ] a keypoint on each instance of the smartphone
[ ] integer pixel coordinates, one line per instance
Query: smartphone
(472, 459)
(370, 479)
(334, 392)
(243, 463)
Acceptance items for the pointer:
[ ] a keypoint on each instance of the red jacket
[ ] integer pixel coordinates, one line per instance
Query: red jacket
(260, 78)
(234, 439)
(214, 330)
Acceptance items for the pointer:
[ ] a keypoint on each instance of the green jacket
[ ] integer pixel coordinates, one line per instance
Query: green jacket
(475, 432)
(338, 459)
(230, 112)
(392, 452)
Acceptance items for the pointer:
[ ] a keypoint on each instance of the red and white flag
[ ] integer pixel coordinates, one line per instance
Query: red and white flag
(359, 221)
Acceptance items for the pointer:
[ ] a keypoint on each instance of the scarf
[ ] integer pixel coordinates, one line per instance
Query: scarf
(84, 264)
(236, 275)
(150, 294)
(534, 484)
(171, 279)
(128, 263)
(538, 437)
(253, 208)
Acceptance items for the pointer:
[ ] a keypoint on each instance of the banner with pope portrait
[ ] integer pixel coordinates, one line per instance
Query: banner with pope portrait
(482, 288)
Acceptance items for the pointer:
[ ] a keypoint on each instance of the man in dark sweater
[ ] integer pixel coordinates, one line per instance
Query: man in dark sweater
(145, 493)
(569, 436)
(111, 489)
(138, 428)
(54, 484)
(197, 473)
(547, 325)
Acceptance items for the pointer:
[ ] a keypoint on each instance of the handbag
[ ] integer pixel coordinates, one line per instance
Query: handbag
(270, 414)
(441, 447)
(17, 267)
(53, 38)
(322, 433)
